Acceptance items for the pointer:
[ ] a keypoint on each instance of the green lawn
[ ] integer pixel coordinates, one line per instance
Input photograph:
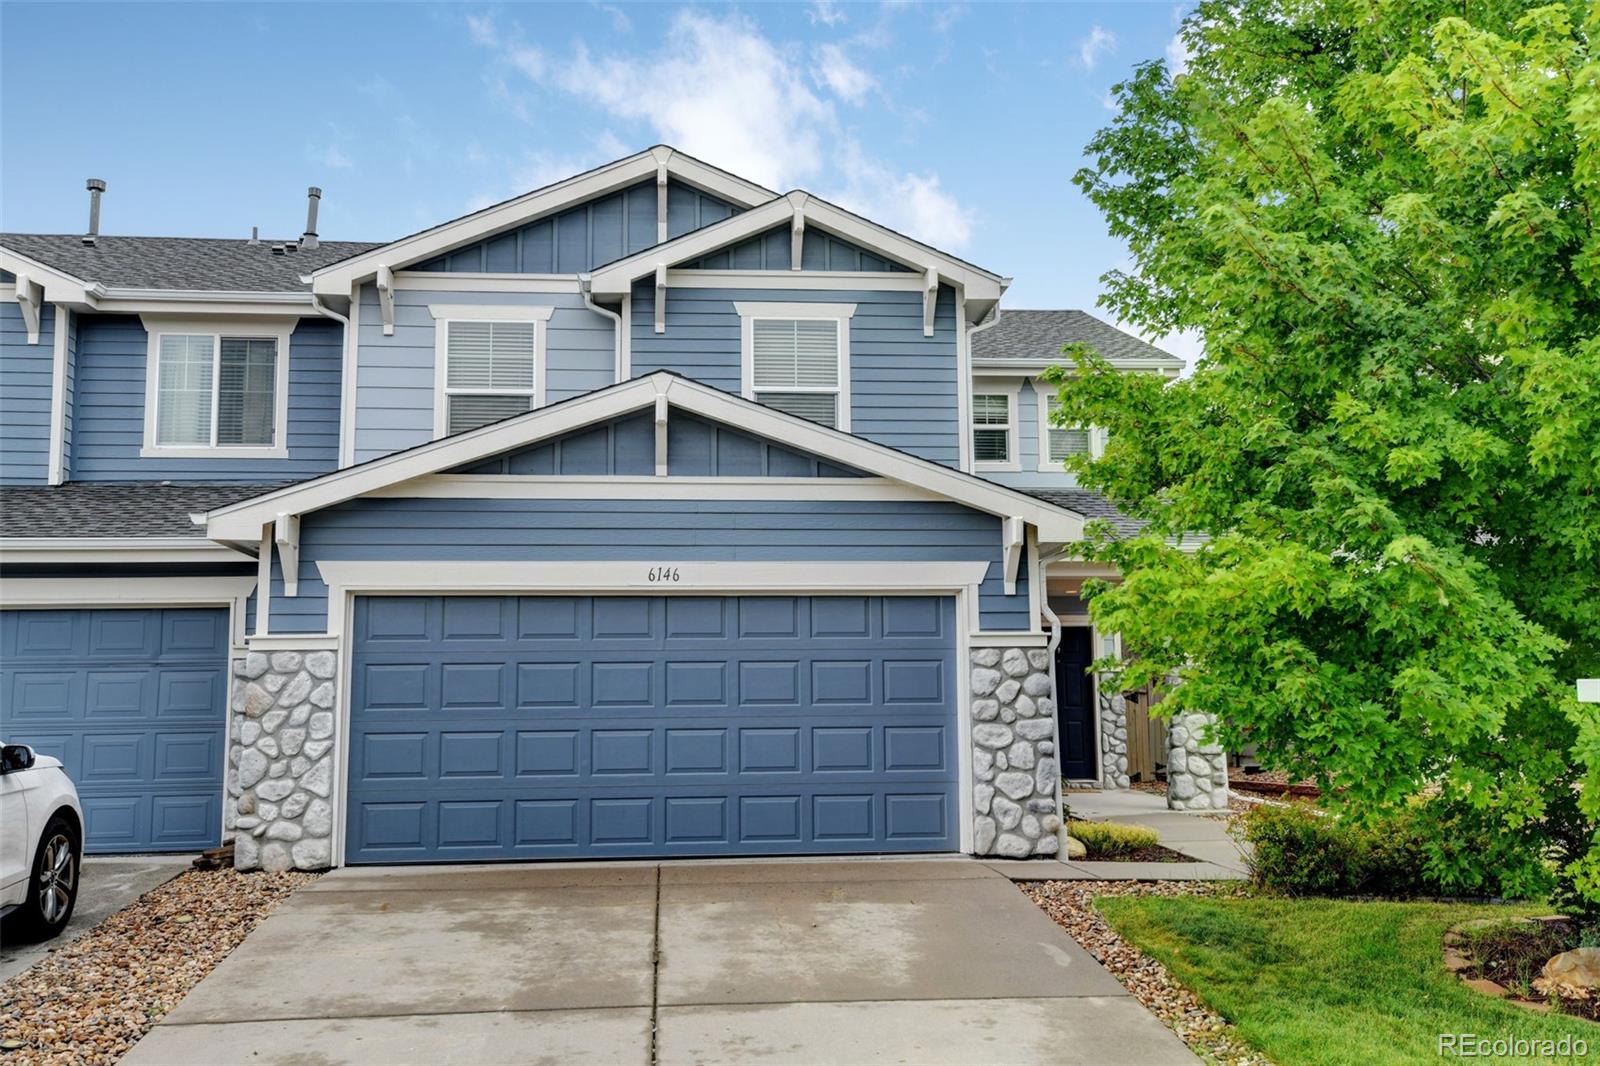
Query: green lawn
(1328, 981)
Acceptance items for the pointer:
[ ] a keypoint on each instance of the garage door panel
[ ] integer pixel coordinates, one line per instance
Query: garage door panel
(134, 704)
(695, 726)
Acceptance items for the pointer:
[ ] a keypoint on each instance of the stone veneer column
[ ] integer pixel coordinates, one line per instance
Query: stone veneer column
(1113, 734)
(1016, 787)
(1197, 767)
(280, 761)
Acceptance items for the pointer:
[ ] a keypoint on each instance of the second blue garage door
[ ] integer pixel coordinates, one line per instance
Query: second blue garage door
(591, 727)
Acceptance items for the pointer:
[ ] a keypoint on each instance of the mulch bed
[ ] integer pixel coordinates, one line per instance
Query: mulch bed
(1154, 853)
(91, 1000)
(1070, 904)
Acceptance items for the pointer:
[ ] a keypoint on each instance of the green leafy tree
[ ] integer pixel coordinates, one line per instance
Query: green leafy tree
(1380, 215)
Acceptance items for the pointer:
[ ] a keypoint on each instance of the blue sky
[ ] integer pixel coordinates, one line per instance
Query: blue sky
(959, 123)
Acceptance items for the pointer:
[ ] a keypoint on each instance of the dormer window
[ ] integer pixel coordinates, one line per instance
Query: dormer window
(218, 391)
(796, 358)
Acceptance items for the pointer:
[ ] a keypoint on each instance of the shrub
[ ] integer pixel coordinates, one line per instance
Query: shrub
(1109, 840)
(1299, 851)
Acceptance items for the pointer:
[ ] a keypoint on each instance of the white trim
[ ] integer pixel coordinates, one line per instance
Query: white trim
(625, 366)
(1009, 640)
(264, 583)
(56, 469)
(464, 281)
(243, 520)
(58, 285)
(30, 301)
(445, 315)
(964, 450)
(57, 592)
(824, 280)
(383, 282)
(277, 329)
(20, 550)
(1035, 597)
(982, 287)
(839, 314)
(338, 278)
(292, 642)
(350, 383)
(1012, 392)
(660, 487)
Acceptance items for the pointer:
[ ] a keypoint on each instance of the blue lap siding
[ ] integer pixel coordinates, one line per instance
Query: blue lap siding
(25, 371)
(651, 530)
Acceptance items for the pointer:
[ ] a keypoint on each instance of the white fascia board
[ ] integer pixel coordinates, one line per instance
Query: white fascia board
(16, 551)
(59, 287)
(242, 521)
(339, 278)
(617, 278)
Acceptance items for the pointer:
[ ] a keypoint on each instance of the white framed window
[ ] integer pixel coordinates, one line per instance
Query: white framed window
(994, 427)
(1056, 443)
(488, 364)
(217, 388)
(796, 358)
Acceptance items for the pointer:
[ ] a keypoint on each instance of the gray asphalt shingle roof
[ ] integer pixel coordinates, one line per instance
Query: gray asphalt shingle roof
(1090, 504)
(1041, 334)
(115, 509)
(204, 264)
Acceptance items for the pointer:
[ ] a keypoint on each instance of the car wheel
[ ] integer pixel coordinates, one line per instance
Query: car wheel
(53, 888)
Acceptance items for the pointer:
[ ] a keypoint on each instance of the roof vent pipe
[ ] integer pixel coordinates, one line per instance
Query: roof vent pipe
(255, 234)
(95, 186)
(313, 197)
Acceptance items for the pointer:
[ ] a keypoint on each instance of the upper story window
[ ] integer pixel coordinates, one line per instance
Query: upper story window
(488, 364)
(1059, 442)
(994, 430)
(796, 358)
(216, 391)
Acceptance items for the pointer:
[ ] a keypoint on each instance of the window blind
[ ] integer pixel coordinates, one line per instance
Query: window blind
(800, 353)
(247, 371)
(991, 434)
(489, 372)
(184, 381)
(1064, 441)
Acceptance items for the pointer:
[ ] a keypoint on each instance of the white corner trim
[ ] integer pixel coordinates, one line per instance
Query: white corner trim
(488, 313)
(350, 382)
(56, 467)
(625, 350)
(16, 551)
(278, 329)
(663, 576)
(445, 315)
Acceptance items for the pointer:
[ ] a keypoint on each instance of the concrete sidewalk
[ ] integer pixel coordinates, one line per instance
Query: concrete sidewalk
(878, 961)
(1201, 836)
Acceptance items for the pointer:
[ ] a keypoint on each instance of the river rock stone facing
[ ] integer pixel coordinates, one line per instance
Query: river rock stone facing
(1113, 734)
(1197, 767)
(281, 748)
(1016, 786)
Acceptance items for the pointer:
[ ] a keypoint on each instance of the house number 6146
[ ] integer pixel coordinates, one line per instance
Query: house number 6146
(659, 574)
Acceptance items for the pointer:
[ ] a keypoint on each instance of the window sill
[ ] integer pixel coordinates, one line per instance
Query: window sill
(231, 452)
(982, 467)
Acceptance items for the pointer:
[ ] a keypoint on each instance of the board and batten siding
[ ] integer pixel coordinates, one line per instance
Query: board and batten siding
(395, 374)
(25, 374)
(644, 531)
(108, 409)
(903, 386)
(818, 251)
(588, 235)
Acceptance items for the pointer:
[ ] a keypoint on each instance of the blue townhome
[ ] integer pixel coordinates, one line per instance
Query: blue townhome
(651, 513)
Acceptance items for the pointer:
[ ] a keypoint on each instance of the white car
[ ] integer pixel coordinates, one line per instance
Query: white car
(41, 843)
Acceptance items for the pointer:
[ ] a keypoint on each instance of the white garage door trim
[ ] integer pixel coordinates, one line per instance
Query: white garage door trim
(348, 579)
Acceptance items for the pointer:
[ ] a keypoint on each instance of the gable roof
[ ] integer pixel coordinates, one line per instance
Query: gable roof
(982, 286)
(242, 522)
(337, 278)
(192, 264)
(1040, 336)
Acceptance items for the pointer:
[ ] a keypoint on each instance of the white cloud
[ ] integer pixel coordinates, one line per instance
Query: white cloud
(333, 157)
(1092, 47)
(825, 13)
(846, 80)
(620, 22)
(1177, 56)
(721, 90)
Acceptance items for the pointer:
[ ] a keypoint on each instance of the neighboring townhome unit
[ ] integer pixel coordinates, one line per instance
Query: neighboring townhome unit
(652, 513)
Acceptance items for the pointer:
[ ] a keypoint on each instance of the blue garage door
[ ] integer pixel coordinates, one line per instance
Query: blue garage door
(134, 703)
(594, 727)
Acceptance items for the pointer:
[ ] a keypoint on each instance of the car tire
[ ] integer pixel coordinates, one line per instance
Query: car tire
(53, 882)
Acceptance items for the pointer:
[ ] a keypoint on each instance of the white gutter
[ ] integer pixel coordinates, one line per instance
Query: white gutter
(586, 291)
(15, 551)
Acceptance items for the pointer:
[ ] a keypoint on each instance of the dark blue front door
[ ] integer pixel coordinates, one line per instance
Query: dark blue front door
(610, 726)
(134, 704)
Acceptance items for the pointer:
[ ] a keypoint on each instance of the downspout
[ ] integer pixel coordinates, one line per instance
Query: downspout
(586, 290)
(346, 375)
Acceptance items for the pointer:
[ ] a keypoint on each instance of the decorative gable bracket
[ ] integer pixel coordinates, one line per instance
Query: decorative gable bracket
(930, 300)
(30, 298)
(1013, 538)
(286, 535)
(385, 283)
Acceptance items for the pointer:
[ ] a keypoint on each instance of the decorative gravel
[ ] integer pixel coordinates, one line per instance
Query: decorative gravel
(92, 999)
(1071, 905)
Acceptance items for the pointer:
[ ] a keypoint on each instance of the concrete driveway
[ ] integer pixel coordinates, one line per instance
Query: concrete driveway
(933, 961)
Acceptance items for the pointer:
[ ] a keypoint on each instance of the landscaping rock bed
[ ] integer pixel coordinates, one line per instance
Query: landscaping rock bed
(1505, 959)
(92, 999)
(1070, 904)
